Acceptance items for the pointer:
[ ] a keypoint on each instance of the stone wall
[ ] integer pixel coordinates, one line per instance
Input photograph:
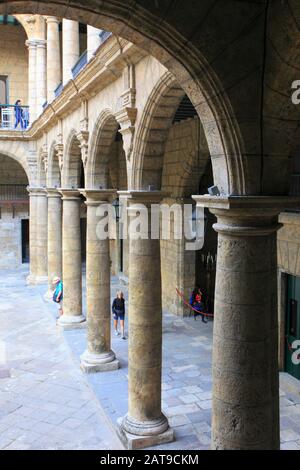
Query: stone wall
(181, 174)
(14, 62)
(11, 237)
(11, 171)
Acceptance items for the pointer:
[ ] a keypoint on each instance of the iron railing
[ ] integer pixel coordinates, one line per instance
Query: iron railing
(82, 61)
(104, 35)
(58, 89)
(14, 117)
(13, 192)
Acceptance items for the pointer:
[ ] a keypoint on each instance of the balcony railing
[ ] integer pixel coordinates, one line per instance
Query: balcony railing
(13, 193)
(104, 35)
(58, 90)
(14, 117)
(82, 61)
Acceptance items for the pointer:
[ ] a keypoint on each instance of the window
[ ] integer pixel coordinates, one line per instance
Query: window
(3, 90)
(8, 19)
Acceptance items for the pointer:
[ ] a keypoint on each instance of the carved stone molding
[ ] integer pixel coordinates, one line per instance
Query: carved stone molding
(83, 137)
(59, 148)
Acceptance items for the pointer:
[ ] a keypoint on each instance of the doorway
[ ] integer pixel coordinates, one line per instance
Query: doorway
(292, 331)
(25, 240)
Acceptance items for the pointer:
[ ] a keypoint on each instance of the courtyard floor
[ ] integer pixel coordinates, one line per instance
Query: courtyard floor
(46, 402)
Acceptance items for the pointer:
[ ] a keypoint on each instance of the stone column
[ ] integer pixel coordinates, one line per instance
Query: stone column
(71, 48)
(41, 75)
(42, 236)
(145, 424)
(32, 235)
(72, 263)
(53, 57)
(54, 237)
(32, 49)
(38, 236)
(245, 340)
(93, 40)
(98, 356)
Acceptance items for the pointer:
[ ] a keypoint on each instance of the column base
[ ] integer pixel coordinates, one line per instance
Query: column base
(49, 295)
(71, 322)
(133, 441)
(33, 280)
(91, 363)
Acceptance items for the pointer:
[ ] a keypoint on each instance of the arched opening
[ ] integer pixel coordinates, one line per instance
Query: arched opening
(73, 171)
(53, 173)
(14, 214)
(172, 154)
(107, 169)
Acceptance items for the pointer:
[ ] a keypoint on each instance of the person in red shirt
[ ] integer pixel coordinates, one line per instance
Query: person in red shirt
(196, 301)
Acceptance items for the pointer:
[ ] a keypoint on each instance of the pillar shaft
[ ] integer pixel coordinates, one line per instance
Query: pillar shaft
(41, 75)
(32, 234)
(245, 361)
(97, 288)
(71, 49)
(145, 328)
(32, 49)
(93, 40)
(54, 235)
(38, 236)
(42, 235)
(53, 57)
(72, 262)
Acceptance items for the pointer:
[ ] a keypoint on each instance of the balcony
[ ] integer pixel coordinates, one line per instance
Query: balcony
(13, 193)
(14, 117)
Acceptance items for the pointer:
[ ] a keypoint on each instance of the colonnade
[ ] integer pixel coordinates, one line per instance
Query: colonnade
(245, 368)
(50, 63)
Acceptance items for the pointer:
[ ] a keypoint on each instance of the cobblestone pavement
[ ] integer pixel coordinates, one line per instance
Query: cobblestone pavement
(45, 401)
(42, 373)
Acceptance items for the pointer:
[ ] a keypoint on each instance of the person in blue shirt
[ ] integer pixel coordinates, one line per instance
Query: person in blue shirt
(58, 295)
(19, 115)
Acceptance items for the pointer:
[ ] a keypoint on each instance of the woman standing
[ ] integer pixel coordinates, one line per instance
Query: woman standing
(118, 309)
(18, 114)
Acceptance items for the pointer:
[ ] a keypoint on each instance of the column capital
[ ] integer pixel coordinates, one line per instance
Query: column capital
(52, 19)
(33, 43)
(247, 215)
(143, 197)
(69, 194)
(53, 192)
(36, 191)
(248, 204)
(98, 196)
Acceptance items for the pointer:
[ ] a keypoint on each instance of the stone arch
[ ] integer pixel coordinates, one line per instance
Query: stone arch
(153, 131)
(72, 166)
(177, 47)
(53, 170)
(16, 151)
(152, 136)
(102, 138)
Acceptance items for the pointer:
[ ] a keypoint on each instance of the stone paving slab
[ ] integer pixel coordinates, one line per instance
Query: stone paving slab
(45, 400)
(186, 386)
